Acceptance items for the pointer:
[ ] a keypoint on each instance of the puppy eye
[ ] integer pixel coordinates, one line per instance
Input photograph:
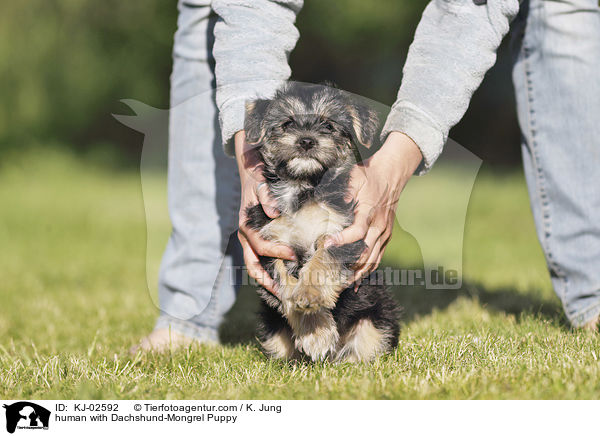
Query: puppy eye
(327, 126)
(287, 124)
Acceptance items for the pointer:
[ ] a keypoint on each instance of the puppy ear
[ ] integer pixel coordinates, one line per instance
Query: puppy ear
(253, 123)
(365, 124)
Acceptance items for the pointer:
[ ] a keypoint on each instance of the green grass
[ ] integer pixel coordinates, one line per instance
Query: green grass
(74, 298)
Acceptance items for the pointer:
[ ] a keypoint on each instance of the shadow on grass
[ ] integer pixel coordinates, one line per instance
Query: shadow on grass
(240, 323)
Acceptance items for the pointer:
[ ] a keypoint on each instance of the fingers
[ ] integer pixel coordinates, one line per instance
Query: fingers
(358, 230)
(265, 248)
(371, 239)
(370, 265)
(378, 261)
(376, 241)
(267, 202)
(254, 268)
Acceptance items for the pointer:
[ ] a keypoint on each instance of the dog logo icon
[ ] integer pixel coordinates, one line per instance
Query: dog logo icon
(26, 415)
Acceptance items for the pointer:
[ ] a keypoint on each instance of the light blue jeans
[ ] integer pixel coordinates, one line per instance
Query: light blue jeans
(556, 77)
(197, 279)
(557, 83)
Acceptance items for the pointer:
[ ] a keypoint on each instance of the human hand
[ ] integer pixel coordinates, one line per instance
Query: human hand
(376, 185)
(255, 191)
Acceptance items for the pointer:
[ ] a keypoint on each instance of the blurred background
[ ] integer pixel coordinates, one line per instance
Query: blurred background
(67, 63)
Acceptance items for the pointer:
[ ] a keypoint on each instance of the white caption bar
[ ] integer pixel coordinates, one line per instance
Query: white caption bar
(288, 418)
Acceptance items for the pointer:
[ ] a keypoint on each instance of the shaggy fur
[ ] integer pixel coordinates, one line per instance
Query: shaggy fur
(307, 138)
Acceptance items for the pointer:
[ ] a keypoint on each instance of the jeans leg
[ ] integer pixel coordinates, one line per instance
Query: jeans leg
(196, 287)
(557, 83)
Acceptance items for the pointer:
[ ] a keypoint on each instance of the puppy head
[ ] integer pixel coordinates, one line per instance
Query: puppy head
(306, 130)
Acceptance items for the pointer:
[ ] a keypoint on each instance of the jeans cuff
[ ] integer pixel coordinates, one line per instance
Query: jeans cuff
(188, 328)
(582, 318)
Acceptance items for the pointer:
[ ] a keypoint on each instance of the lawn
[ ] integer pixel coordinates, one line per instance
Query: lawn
(75, 298)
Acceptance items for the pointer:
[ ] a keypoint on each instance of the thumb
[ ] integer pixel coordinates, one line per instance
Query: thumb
(353, 233)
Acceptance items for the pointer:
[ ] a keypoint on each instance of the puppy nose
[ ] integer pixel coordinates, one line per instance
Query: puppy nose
(306, 143)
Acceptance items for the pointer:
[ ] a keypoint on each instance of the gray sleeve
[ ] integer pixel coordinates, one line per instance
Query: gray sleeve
(455, 44)
(253, 39)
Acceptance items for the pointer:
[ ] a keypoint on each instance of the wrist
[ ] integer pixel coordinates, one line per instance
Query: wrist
(239, 141)
(248, 160)
(401, 153)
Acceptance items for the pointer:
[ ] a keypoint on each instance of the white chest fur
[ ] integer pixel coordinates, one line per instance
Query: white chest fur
(303, 227)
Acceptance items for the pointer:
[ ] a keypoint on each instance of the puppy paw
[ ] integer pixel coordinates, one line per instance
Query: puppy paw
(318, 345)
(315, 334)
(316, 289)
(280, 345)
(307, 298)
(286, 283)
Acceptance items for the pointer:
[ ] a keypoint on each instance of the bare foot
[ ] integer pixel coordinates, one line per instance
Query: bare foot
(164, 340)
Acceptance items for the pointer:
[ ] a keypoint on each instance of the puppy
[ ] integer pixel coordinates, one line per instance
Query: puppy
(308, 138)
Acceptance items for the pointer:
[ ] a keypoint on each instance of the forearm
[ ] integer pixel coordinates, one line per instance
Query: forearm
(253, 39)
(454, 46)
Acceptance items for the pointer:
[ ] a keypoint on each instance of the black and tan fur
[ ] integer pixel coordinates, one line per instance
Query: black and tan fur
(307, 137)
